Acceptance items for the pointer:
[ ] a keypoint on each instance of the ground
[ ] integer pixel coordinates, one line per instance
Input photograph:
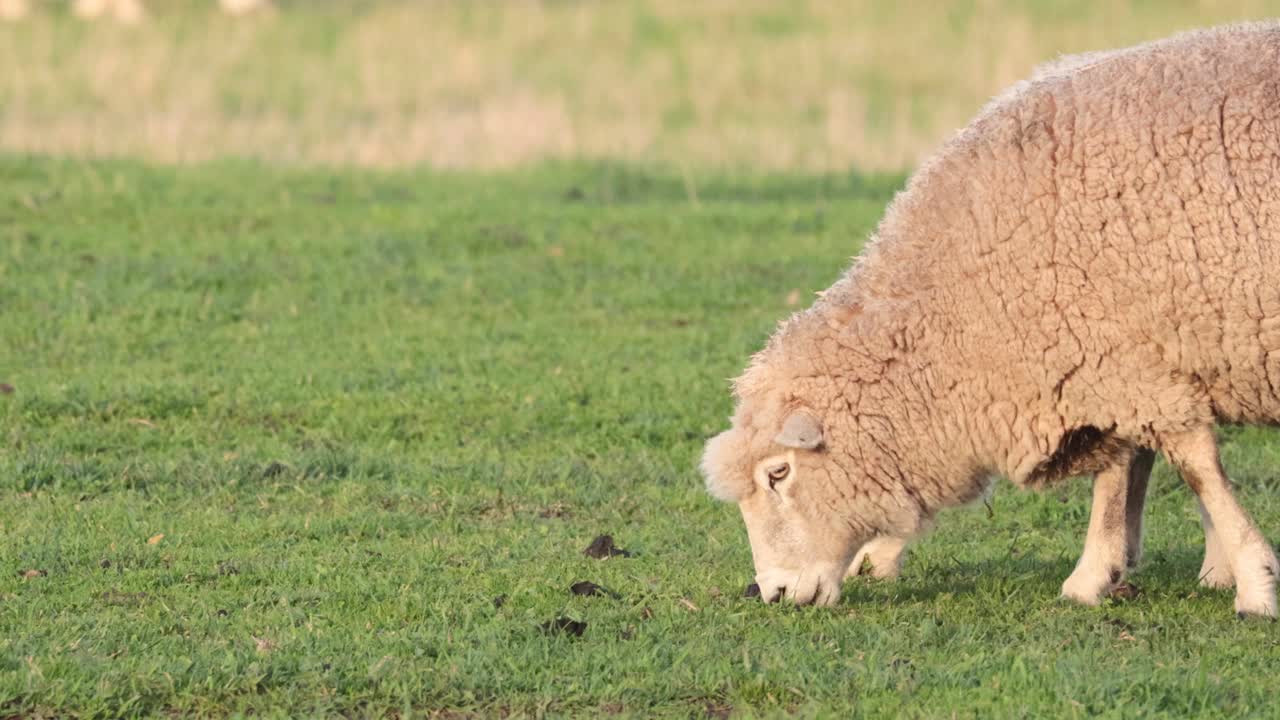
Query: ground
(283, 442)
(808, 85)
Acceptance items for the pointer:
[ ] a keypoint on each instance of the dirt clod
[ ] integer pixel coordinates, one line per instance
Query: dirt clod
(1117, 623)
(6, 389)
(1125, 591)
(555, 511)
(116, 597)
(585, 588)
(32, 573)
(602, 547)
(564, 626)
(751, 591)
(717, 711)
(590, 589)
(274, 469)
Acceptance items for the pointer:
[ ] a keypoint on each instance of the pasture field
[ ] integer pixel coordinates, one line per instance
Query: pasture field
(782, 85)
(276, 440)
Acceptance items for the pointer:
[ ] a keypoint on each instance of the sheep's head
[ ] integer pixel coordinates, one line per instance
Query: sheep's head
(781, 472)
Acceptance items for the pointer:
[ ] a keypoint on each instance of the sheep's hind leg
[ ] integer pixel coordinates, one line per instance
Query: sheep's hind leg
(1106, 554)
(1230, 533)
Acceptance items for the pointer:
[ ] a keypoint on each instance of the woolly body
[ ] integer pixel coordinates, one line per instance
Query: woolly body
(1090, 267)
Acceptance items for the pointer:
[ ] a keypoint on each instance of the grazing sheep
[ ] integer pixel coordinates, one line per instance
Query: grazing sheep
(241, 7)
(130, 11)
(125, 11)
(1084, 275)
(13, 9)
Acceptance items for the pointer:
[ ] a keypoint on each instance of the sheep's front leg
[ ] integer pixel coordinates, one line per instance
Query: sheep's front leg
(1228, 527)
(1112, 529)
(1215, 571)
(885, 554)
(1135, 502)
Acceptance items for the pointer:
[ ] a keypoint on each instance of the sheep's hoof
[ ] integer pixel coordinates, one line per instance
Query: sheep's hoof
(1085, 590)
(1269, 616)
(1261, 605)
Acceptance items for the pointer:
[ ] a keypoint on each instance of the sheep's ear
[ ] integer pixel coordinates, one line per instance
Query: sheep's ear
(801, 430)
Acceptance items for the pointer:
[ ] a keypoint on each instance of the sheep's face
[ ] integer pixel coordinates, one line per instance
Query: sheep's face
(781, 482)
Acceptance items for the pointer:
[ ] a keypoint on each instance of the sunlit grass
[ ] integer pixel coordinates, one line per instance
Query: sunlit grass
(804, 85)
(276, 441)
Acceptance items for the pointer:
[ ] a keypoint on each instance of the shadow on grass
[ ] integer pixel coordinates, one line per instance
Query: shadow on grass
(1162, 572)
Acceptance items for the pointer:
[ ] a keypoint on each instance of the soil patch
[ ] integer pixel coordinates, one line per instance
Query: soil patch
(564, 626)
(603, 547)
(586, 588)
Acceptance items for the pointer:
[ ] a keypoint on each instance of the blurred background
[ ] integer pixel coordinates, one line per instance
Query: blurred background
(715, 85)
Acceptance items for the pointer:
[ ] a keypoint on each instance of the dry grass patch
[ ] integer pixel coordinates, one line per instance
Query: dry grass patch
(813, 86)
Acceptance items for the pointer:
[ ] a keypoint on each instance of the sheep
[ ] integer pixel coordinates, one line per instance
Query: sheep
(131, 11)
(125, 11)
(13, 9)
(1078, 279)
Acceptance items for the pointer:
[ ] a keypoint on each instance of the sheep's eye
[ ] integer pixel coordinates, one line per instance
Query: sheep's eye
(778, 473)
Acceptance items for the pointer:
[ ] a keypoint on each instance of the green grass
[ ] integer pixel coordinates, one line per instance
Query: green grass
(360, 407)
